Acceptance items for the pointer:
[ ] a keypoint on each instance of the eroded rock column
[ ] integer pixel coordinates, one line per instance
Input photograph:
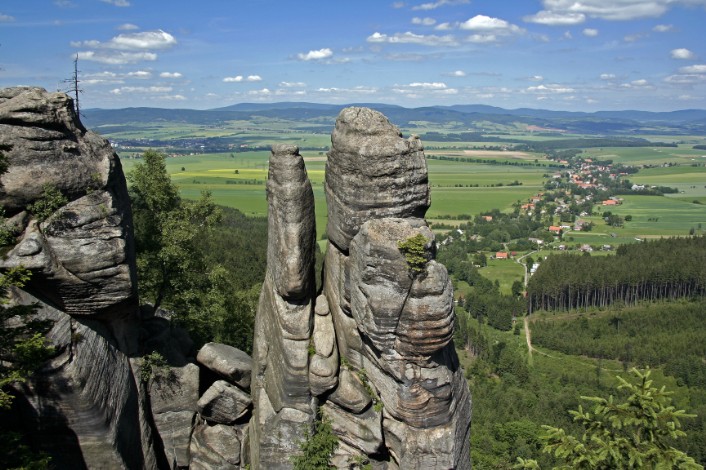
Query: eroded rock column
(393, 324)
(283, 404)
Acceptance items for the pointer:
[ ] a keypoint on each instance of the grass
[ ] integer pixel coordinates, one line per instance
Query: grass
(239, 181)
(505, 271)
(683, 154)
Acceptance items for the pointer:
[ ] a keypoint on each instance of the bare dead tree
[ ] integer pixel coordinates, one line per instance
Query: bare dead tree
(74, 88)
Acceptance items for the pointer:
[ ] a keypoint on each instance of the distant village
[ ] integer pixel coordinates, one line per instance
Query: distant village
(582, 188)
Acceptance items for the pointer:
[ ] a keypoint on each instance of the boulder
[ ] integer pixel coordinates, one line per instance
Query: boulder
(371, 173)
(350, 394)
(230, 363)
(173, 396)
(215, 447)
(223, 403)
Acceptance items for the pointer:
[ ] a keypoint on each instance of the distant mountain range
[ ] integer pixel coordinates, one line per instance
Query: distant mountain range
(455, 118)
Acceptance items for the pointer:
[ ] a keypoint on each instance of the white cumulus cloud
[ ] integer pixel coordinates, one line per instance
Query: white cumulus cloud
(6, 18)
(487, 23)
(240, 78)
(128, 27)
(439, 3)
(607, 76)
(590, 32)
(640, 83)
(126, 48)
(411, 38)
(292, 84)
(550, 88)
(615, 10)
(663, 28)
(428, 85)
(324, 53)
(482, 38)
(116, 58)
(145, 40)
(170, 75)
(681, 53)
(458, 73)
(141, 89)
(487, 29)
(552, 18)
(142, 74)
(444, 26)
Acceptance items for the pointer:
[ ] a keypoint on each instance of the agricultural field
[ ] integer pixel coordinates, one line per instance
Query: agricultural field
(681, 155)
(652, 216)
(239, 181)
(487, 180)
(505, 271)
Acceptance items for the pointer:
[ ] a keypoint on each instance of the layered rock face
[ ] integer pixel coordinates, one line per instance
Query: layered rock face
(372, 173)
(381, 363)
(65, 199)
(81, 253)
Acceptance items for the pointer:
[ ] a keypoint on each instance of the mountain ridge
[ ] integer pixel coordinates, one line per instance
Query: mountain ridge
(462, 117)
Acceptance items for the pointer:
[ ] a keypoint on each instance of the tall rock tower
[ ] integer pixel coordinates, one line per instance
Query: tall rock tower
(374, 350)
(283, 403)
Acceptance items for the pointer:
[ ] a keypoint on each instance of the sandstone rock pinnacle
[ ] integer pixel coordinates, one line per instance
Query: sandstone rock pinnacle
(378, 358)
(372, 172)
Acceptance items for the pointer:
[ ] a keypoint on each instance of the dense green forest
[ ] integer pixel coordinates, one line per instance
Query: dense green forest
(650, 334)
(203, 263)
(515, 394)
(660, 269)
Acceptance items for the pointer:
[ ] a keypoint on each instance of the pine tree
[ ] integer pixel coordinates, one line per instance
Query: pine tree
(633, 434)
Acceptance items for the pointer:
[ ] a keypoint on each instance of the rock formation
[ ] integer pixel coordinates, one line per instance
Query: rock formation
(372, 173)
(283, 405)
(65, 197)
(96, 403)
(381, 363)
(82, 255)
(372, 351)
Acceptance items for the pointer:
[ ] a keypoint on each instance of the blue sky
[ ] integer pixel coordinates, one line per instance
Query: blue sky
(579, 55)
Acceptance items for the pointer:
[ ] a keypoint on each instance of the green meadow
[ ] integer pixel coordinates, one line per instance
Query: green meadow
(505, 271)
(682, 155)
(239, 181)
